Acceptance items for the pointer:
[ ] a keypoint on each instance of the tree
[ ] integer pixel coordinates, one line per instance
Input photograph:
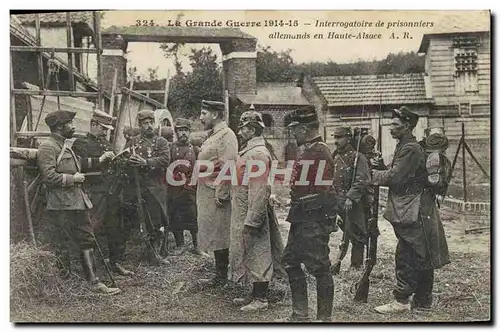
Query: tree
(153, 73)
(275, 67)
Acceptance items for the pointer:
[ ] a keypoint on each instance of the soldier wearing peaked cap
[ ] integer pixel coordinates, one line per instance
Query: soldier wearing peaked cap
(106, 211)
(182, 198)
(213, 200)
(254, 231)
(151, 157)
(350, 181)
(312, 219)
(67, 202)
(411, 209)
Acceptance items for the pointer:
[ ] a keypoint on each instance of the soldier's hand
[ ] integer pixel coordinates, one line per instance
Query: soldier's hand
(78, 177)
(108, 155)
(218, 202)
(348, 204)
(136, 160)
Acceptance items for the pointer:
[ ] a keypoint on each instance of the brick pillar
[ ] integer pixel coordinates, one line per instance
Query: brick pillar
(113, 56)
(240, 72)
(239, 64)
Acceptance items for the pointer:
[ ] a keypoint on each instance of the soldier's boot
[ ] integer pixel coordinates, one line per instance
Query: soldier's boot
(259, 302)
(300, 304)
(196, 250)
(357, 255)
(119, 269)
(179, 238)
(324, 298)
(221, 266)
(89, 269)
(422, 300)
(393, 307)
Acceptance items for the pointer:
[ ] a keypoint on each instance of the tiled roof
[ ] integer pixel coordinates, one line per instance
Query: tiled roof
(452, 24)
(184, 32)
(57, 18)
(373, 89)
(275, 94)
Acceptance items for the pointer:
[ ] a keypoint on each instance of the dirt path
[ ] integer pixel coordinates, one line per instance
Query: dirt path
(171, 294)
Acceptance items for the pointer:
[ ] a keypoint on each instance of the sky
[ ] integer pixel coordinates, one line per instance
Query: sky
(148, 55)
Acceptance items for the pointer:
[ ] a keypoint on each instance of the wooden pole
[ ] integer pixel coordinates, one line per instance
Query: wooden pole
(226, 105)
(40, 56)
(27, 207)
(167, 87)
(70, 56)
(98, 46)
(113, 91)
(13, 127)
(463, 162)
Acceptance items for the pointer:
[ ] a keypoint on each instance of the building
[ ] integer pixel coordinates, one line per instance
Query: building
(366, 100)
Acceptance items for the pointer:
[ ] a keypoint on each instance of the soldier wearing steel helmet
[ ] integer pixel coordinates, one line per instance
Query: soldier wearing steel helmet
(253, 227)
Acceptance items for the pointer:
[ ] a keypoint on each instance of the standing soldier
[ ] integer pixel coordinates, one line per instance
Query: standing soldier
(213, 199)
(107, 205)
(182, 199)
(411, 209)
(251, 260)
(152, 157)
(67, 202)
(312, 220)
(350, 180)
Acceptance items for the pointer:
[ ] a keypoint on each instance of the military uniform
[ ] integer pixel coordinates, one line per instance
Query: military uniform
(311, 225)
(155, 151)
(67, 202)
(411, 209)
(344, 187)
(105, 193)
(182, 199)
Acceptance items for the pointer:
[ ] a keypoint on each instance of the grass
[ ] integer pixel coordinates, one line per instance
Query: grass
(171, 293)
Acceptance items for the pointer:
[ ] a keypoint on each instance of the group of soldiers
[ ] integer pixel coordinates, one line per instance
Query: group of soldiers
(238, 222)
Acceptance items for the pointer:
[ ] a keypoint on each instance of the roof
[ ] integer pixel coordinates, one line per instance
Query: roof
(186, 34)
(275, 94)
(57, 19)
(458, 24)
(388, 89)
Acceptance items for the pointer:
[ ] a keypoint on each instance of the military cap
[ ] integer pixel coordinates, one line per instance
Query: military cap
(103, 119)
(303, 116)
(59, 118)
(406, 115)
(251, 117)
(212, 105)
(145, 114)
(367, 143)
(182, 123)
(342, 131)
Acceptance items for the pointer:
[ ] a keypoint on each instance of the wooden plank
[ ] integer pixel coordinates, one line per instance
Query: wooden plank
(142, 97)
(71, 78)
(167, 87)
(98, 46)
(52, 49)
(113, 91)
(54, 93)
(150, 91)
(41, 134)
(41, 80)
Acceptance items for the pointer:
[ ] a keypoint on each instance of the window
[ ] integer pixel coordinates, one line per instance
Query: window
(465, 56)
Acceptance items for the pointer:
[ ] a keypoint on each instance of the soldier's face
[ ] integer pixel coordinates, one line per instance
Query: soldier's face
(147, 127)
(300, 134)
(340, 141)
(207, 119)
(398, 128)
(245, 134)
(97, 130)
(183, 135)
(68, 129)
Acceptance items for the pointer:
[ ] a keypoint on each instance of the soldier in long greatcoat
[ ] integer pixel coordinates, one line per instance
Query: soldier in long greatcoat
(214, 199)
(250, 253)
(412, 211)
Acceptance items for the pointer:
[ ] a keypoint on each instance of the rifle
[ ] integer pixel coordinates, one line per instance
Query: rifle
(344, 244)
(142, 223)
(106, 266)
(362, 286)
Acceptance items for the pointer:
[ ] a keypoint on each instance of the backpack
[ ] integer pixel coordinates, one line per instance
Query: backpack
(437, 163)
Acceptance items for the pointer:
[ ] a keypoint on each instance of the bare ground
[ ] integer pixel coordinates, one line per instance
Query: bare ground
(171, 293)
